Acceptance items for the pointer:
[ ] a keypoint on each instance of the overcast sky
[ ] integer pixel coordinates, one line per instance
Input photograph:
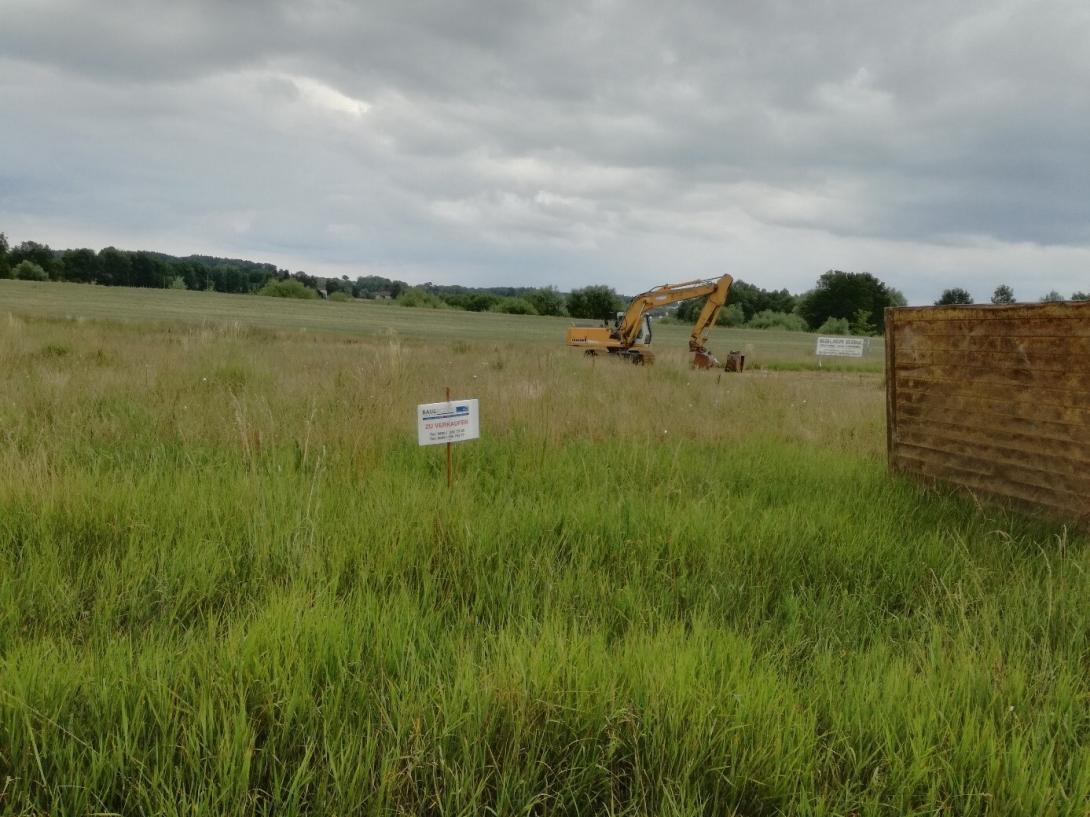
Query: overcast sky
(933, 144)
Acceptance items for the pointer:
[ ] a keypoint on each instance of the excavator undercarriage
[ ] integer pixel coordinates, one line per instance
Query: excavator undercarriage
(640, 357)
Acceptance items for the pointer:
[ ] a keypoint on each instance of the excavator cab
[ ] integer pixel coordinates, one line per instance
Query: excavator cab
(643, 338)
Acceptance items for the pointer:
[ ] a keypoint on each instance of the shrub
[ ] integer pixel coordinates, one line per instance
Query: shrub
(55, 350)
(340, 296)
(861, 324)
(479, 302)
(515, 306)
(835, 326)
(287, 288)
(546, 301)
(29, 271)
(768, 319)
(731, 315)
(470, 301)
(414, 296)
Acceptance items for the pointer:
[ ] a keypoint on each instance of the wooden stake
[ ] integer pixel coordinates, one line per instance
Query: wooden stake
(450, 457)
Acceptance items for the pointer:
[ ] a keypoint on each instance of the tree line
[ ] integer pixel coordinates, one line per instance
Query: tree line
(31, 261)
(839, 303)
(1003, 294)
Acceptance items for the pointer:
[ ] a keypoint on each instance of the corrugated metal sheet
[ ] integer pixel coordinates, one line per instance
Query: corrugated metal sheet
(995, 399)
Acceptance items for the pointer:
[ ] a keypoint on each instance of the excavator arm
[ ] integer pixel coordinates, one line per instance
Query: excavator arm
(629, 328)
(717, 291)
(704, 359)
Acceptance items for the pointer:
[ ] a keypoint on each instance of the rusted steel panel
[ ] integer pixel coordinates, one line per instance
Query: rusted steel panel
(1033, 347)
(994, 399)
(1027, 401)
(1007, 327)
(970, 442)
(988, 486)
(996, 361)
(1026, 442)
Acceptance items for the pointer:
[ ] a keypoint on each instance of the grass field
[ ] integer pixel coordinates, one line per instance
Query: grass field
(367, 319)
(231, 583)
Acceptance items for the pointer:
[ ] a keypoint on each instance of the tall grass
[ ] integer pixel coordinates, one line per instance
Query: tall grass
(231, 583)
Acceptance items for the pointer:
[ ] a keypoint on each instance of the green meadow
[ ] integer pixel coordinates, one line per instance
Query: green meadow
(231, 583)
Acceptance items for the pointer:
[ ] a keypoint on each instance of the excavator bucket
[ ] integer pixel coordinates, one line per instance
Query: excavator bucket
(703, 359)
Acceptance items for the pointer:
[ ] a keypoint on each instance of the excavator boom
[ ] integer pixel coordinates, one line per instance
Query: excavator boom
(702, 358)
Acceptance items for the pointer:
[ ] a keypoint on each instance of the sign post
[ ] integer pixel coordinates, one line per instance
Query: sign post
(450, 456)
(449, 422)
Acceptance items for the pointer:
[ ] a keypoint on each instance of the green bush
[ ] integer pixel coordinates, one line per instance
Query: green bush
(55, 350)
(731, 315)
(414, 296)
(546, 301)
(469, 301)
(287, 288)
(835, 326)
(861, 324)
(476, 302)
(29, 271)
(769, 319)
(514, 306)
(340, 297)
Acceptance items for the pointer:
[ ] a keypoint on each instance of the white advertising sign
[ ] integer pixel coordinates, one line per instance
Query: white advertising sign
(841, 347)
(447, 422)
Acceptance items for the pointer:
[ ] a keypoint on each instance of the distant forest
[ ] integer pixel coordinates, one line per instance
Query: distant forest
(839, 303)
(110, 266)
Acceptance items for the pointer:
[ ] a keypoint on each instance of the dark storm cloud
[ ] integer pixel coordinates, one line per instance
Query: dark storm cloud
(499, 141)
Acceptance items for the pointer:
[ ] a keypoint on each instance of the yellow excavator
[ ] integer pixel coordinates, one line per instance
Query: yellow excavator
(629, 336)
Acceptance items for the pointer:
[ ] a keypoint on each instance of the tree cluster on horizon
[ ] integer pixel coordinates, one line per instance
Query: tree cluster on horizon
(1003, 294)
(110, 266)
(840, 302)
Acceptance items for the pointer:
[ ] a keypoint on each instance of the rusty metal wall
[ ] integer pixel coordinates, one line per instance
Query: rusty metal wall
(995, 399)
